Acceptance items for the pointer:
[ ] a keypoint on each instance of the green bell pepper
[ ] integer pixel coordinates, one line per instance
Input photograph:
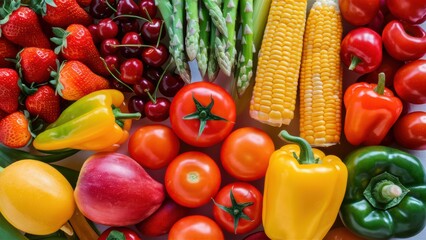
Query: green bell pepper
(386, 193)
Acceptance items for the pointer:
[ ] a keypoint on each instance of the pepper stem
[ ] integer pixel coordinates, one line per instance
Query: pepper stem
(120, 115)
(354, 62)
(386, 190)
(380, 88)
(306, 155)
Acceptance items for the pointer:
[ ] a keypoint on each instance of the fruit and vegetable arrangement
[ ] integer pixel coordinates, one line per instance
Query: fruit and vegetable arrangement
(212, 119)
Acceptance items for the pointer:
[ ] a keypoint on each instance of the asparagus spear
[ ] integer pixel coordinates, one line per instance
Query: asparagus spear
(226, 45)
(216, 15)
(212, 65)
(192, 28)
(202, 55)
(166, 11)
(245, 59)
(177, 42)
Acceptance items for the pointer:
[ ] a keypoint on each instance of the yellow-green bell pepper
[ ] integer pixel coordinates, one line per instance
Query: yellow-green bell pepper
(303, 191)
(93, 122)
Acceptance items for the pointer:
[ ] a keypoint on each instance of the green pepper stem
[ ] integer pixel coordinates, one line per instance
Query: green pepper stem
(385, 191)
(306, 155)
(380, 88)
(354, 62)
(120, 115)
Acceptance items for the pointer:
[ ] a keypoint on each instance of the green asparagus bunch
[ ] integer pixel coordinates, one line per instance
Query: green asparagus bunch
(192, 29)
(204, 41)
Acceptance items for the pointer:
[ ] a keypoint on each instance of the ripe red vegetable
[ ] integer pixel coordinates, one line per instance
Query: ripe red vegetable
(409, 82)
(196, 227)
(359, 12)
(410, 130)
(114, 190)
(412, 11)
(117, 233)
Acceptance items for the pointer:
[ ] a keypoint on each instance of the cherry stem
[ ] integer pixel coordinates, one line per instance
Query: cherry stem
(161, 31)
(109, 5)
(147, 14)
(112, 74)
(130, 45)
(159, 80)
(132, 16)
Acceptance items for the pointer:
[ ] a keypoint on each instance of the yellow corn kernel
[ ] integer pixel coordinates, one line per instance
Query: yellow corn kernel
(321, 76)
(274, 93)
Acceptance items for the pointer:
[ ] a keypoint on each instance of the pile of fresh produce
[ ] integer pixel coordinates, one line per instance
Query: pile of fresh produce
(109, 86)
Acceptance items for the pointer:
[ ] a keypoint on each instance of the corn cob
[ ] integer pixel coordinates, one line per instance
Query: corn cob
(321, 76)
(274, 93)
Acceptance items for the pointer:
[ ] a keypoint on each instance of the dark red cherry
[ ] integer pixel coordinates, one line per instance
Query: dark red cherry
(151, 30)
(131, 70)
(113, 63)
(153, 74)
(170, 84)
(155, 56)
(159, 110)
(99, 8)
(107, 46)
(131, 38)
(94, 32)
(143, 88)
(107, 28)
(136, 104)
(127, 7)
(147, 7)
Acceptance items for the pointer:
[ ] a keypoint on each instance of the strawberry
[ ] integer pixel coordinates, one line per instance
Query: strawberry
(21, 25)
(35, 64)
(76, 43)
(14, 130)
(62, 13)
(7, 50)
(9, 90)
(44, 103)
(2, 114)
(74, 80)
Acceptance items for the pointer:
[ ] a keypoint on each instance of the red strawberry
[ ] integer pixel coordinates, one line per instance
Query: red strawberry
(7, 50)
(76, 43)
(62, 13)
(76, 80)
(35, 64)
(21, 26)
(9, 90)
(14, 131)
(44, 103)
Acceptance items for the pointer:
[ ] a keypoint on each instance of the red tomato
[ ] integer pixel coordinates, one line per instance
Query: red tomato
(409, 82)
(246, 210)
(202, 114)
(412, 11)
(410, 130)
(341, 233)
(118, 232)
(245, 153)
(359, 12)
(154, 146)
(162, 220)
(196, 227)
(192, 179)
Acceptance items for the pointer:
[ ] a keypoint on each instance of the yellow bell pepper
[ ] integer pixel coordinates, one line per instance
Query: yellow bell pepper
(93, 122)
(35, 197)
(303, 191)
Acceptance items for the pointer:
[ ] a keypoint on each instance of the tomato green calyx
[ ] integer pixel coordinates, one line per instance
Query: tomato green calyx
(236, 210)
(116, 235)
(203, 113)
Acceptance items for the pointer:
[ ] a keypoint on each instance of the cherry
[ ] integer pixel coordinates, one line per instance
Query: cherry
(131, 70)
(171, 84)
(151, 30)
(119, 86)
(136, 104)
(153, 74)
(127, 7)
(94, 31)
(147, 8)
(127, 25)
(155, 56)
(107, 28)
(113, 63)
(143, 88)
(99, 8)
(131, 38)
(107, 46)
(157, 110)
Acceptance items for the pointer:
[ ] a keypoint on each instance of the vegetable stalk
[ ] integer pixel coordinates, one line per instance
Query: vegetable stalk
(212, 66)
(230, 8)
(203, 48)
(216, 15)
(192, 29)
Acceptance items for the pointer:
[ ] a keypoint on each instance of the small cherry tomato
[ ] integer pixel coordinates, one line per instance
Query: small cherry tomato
(192, 179)
(148, 143)
(409, 82)
(238, 207)
(245, 153)
(119, 233)
(410, 130)
(196, 227)
(202, 114)
(341, 233)
(359, 12)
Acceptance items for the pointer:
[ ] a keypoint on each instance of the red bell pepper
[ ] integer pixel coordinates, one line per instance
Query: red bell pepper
(361, 50)
(404, 42)
(371, 110)
(410, 83)
(411, 11)
(389, 66)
